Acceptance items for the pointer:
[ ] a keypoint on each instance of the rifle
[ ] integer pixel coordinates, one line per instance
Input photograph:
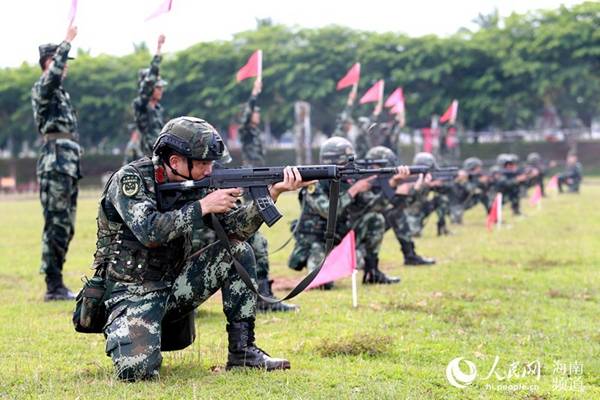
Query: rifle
(257, 180)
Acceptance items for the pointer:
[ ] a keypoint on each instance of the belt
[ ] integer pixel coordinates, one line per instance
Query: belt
(57, 135)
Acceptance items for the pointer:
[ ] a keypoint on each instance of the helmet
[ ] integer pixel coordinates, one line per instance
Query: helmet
(472, 163)
(513, 158)
(426, 159)
(191, 137)
(143, 74)
(502, 159)
(336, 150)
(382, 153)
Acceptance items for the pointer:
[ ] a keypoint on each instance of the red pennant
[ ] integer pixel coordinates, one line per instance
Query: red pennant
(374, 94)
(395, 98)
(495, 211)
(536, 196)
(553, 183)
(252, 68)
(340, 263)
(450, 114)
(351, 78)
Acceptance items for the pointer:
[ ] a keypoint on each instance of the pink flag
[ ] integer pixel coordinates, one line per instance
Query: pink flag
(374, 94)
(395, 98)
(495, 211)
(553, 183)
(72, 12)
(339, 263)
(252, 68)
(450, 114)
(398, 108)
(163, 8)
(536, 196)
(351, 78)
(427, 139)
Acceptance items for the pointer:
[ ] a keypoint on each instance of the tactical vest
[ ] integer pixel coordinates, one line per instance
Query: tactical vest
(131, 261)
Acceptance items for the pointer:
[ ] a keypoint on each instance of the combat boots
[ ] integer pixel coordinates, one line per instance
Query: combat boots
(243, 351)
(264, 288)
(374, 275)
(56, 290)
(410, 255)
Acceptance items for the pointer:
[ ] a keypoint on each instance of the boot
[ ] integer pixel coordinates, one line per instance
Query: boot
(374, 275)
(411, 257)
(264, 288)
(243, 351)
(56, 290)
(441, 229)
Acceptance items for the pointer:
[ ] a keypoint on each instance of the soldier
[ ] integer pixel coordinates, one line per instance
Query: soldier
(57, 169)
(534, 161)
(143, 253)
(508, 178)
(147, 109)
(354, 212)
(133, 150)
(343, 123)
(394, 210)
(572, 176)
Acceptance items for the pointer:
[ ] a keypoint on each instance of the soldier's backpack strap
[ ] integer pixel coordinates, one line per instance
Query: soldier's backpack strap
(334, 191)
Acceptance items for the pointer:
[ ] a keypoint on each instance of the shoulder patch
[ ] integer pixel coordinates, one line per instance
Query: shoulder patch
(311, 188)
(130, 185)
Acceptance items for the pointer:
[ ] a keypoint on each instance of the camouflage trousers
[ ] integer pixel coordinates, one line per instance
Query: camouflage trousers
(309, 250)
(416, 218)
(395, 219)
(133, 329)
(58, 195)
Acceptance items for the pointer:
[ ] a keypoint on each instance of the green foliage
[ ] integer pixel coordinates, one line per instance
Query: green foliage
(505, 75)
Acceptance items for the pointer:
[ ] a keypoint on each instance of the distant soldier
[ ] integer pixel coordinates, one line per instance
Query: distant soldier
(343, 123)
(58, 163)
(147, 109)
(573, 175)
(133, 150)
(508, 178)
(253, 148)
(534, 161)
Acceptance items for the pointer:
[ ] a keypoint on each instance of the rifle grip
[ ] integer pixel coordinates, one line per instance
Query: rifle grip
(269, 213)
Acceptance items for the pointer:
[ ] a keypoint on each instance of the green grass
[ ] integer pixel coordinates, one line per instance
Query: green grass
(529, 292)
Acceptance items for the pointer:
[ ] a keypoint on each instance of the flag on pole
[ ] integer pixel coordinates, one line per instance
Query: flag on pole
(536, 196)
(253, 67)
(495, 215)
(450, 114)
(427, 139)
(351, 78)
(553, 183)
(163, 8)
(340, 263)
(374, 94)
(395, 98)
(72, 12)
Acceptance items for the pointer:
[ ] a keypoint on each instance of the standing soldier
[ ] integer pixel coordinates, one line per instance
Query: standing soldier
(146, 107)
(343, 123)
(58, 163)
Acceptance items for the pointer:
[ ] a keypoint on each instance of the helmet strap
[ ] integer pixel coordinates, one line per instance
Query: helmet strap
(174, 172)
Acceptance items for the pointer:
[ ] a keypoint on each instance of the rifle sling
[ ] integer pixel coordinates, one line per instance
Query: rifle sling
(334, 191)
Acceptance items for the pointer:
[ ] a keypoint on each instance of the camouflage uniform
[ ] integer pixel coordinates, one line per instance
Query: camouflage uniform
(133, 151)
(149, 120)
(345, 117)
(253, 149)
(362, 141)
(57, 168)
(572, 177)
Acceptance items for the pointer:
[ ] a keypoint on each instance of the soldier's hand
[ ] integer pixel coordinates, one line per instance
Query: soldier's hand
(161, 41)
(257, 88)
(220, 201)
(292, 180)
(361, 186)
(71, 33)
(403, 173)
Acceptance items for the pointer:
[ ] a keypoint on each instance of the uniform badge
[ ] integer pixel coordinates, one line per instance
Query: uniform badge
(311, 188)
(130, 185)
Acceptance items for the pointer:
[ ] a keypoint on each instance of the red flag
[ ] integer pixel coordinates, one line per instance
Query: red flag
(72, 12)
(450, 114)
(351, 78)
(374, 94)
(252, 68)
(395, 98)
(553, 183)
(536, 196)
(163, 8)
(495, 212)
(339, 263)
(428, 134)
(398, 108)
(451, 139)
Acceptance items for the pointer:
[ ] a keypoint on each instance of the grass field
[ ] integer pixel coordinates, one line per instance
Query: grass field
(527, 295)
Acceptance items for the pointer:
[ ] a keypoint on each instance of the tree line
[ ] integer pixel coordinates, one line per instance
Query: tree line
(506, 74)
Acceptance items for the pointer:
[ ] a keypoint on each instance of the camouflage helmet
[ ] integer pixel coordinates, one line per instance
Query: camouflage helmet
(472, 163)
(193, 138)
(336, 150)
(534, 158)
(382, 153)
(47, 51)
(426, 159)
(502, 159)
(144, 72)
(513, 158)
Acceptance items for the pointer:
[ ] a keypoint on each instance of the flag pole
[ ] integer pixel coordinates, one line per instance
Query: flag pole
(354, 290)
(499, 200)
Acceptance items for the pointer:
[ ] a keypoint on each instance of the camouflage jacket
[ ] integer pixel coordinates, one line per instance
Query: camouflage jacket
(149, 120)
(54, 113)
(345, 115)
(253, 149)
(134, 236)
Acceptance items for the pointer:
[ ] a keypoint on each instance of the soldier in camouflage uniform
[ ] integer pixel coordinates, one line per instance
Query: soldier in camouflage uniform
(343, 123)
(147, 110)
(508, 178)
(573, 175)
(356, 210)
(394, 210)
(144, 251)
(534, 161)
(58, 163)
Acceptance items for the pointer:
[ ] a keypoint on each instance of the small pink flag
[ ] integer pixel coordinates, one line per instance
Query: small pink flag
(351, 78)
(374, 94)
(72, 12)
(553, 183)
(536, 196)
(450, 114)
(395, 98)
(495, 212)
(252, 68)
(398, 108)
(340, 263)
(427, 139)
(163, 8)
